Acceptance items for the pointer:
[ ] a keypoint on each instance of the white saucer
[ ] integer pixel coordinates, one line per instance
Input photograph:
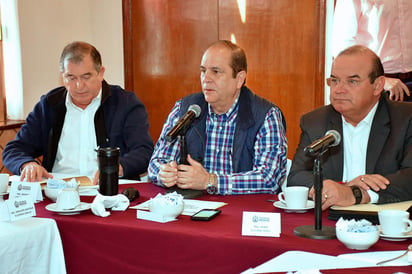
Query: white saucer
(309, 205)
(77, 210)
(3, 193)
(396, 238)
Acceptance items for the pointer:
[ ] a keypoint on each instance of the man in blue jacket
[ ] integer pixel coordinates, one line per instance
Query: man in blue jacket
(238, 143)
(71, 121)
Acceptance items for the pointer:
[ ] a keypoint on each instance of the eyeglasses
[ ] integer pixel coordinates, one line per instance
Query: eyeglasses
(350, 83)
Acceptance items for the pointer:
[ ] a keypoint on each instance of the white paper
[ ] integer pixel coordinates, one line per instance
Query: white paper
(378, 256)
(89, 190)
(127, 181)
(190, 206)
(263, 224)
(300, 260)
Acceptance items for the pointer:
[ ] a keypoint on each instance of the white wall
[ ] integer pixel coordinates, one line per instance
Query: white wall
(46, 26)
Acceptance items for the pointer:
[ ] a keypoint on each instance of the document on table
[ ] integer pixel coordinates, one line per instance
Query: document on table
(301, 260)
(190, 206)
(86, 186)
(83, 180)
(374, 208)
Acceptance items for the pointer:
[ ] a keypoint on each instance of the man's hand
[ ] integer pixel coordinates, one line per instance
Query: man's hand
(168, 174)
(334, 193)
(366, 182)
(33, 172)
(396, 88)
(192, 176)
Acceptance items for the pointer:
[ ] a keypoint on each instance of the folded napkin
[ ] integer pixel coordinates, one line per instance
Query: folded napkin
(117, 203)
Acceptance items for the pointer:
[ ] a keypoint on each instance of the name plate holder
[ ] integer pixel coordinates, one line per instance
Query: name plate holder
(22, 189)
(21, 200)
(20, 208)
(264, 224)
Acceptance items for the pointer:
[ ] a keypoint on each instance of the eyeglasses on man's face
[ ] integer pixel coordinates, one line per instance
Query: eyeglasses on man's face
(349, 83)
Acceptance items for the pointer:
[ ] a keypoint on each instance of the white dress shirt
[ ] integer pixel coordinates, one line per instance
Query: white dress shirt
(76, 153)
(384, 26)
(355, 145)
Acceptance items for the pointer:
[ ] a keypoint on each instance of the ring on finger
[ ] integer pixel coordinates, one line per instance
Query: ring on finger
(362, 179)
(325, 195)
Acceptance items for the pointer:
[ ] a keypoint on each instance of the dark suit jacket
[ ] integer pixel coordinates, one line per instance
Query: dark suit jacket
(389, 151)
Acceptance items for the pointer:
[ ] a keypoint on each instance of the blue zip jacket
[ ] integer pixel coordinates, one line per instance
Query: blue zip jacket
(121, 120)
(251, 115)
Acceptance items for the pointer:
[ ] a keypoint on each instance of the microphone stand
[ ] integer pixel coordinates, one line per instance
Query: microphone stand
(183, 150)
(186, 193)
(317, 231)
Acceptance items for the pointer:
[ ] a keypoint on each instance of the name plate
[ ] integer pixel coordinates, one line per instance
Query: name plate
(265, 224)
(25, 189)
(20, 208)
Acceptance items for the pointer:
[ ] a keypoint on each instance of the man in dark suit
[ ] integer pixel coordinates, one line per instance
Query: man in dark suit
(373, 162)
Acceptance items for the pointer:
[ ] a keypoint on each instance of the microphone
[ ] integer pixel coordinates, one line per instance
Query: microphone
(192, 112)
(331, 139)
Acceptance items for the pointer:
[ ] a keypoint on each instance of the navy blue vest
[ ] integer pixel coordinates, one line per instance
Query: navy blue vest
(250, 118)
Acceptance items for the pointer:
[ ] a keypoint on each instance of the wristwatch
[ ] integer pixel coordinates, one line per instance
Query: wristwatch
(212, 184)
(357, 193)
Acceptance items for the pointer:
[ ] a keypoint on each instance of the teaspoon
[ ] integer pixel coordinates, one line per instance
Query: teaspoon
(398, 257)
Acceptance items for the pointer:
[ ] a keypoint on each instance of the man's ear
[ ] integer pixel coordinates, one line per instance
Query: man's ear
(379, 84)
(240, 78)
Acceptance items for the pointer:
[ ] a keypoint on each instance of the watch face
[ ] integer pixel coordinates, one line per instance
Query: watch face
(211, 189)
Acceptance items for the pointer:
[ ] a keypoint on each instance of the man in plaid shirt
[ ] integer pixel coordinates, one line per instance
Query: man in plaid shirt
(238, 143)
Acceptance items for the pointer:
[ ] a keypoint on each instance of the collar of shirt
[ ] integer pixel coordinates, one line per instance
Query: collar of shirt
(368, 119)
(95, 102)
(230, 114)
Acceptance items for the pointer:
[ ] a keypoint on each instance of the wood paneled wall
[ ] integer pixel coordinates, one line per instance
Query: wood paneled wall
(284, 42)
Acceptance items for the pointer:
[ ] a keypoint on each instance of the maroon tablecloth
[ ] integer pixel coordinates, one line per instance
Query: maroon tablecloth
(121, 243)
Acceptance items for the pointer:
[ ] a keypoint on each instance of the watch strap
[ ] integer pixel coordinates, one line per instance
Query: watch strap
(357, 193)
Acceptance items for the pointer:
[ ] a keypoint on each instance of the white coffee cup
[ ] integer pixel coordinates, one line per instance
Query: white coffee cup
(4, 182)
(68, 198)
(394, 222)
(295, 197)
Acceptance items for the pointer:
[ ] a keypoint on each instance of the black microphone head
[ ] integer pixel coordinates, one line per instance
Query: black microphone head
(196, 109)
(336, 136)
(193, 111)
